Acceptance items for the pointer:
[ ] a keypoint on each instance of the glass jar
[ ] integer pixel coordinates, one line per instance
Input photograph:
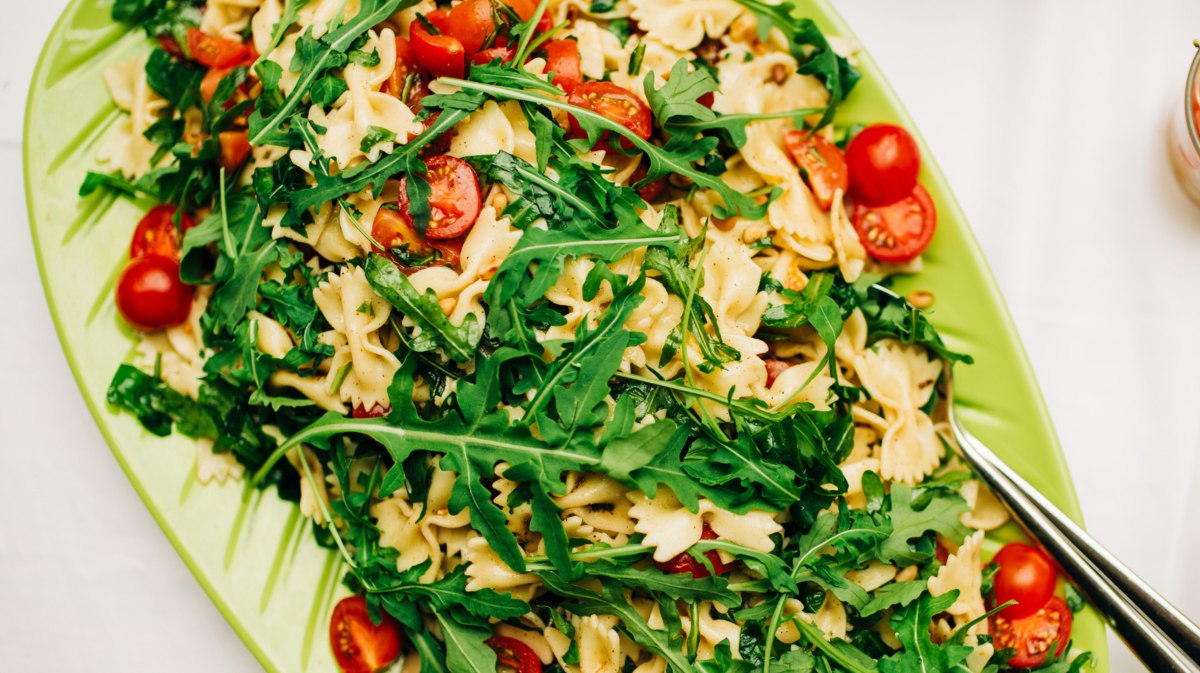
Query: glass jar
(1184, 134)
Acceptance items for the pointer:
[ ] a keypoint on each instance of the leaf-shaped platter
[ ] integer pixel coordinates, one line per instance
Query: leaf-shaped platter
(253, 553)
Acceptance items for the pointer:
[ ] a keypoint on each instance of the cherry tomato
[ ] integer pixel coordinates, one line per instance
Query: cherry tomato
(822, 163)
(150, 295)
(454, 197)
(651, 190)
(442, 55)
(471, 21)
(360, 645)
(1027, 576)
(884, 162)
(406, 65)
(212, 79)
(156, 233)
(684, 563)
(213, 51)
(1032, 636)
(897, 232)
(775, 368)
(392, 230)
(376, 411)
(615, 102)
(235, 147)
(502, 53)
(562, 58)
(515, 654)
(170, 45)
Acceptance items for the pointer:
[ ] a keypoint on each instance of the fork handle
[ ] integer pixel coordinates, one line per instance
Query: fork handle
(1150, 625)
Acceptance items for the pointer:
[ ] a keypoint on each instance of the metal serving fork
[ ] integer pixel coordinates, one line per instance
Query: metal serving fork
(1157, 632)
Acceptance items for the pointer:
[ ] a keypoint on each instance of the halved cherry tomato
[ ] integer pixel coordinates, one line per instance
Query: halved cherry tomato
(1026, 575)
(442, 55)
(1032, 636)
(502, 53)
(156, 233)
(376, 411)
(454, 197)
(360, 645)
(515, 654)
(884, 162)
(684, 563)
(775, 368)
(472, 22)
(170, 45)
(212, 79)
(615, 102)
(651, 190)
(235, 147)
(150, 294)
(392, 230)
(406, 65)
(897, 232)
(822, 163)
(214, 51)
(562, 58)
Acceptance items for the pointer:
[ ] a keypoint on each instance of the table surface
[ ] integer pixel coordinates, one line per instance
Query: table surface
(1048, 119)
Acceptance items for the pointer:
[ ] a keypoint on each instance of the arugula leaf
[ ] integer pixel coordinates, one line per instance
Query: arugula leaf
(157, 405)
(941, 515)
(846, 655)
(810, 49)
(466, 648)
(920, 655)
(889, 315)
(678, 98)
(436, 331)
(174, 79)
(677, 586)
(893, 594)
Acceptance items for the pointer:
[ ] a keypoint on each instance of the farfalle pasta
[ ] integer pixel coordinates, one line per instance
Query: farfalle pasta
(565, 322)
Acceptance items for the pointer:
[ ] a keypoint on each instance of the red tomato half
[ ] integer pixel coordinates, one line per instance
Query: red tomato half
(897, 232)
(651, 190)
(151, 296)
(615, 102)
(775, 368)
(562, 58)
(515, 654)
(471, 21)
(504, 54)
(884, 162)
(454, 199)
(235, 147)
(1026, 575)
(392, 230)
(406, 64)
(213, 51)
(822, 163)
(156, 233)
(1032, 636)
(684, 563)
(442, 55)
(360, 645)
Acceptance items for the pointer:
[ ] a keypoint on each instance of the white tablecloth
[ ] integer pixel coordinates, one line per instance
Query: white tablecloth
(1047, 117)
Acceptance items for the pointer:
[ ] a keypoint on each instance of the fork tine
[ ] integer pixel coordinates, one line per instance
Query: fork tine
(1047, 526)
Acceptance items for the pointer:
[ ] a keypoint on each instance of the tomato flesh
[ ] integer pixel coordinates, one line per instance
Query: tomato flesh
(213, 51)
(775, 369)
(615, 102)
(822, 162)
(156, 233)
(406, 66)
(150, 294)
(1032, 636)
(454, 198)
(515, 654)
(562, 58)
(897, 232)
(1025, 575)
(649, 191)
(391, 230)
(884, 162)
(235, 147)
(684, 563)
(360, 645)
(376, 411)
(504, 54)
(471, 21)
(442, 55)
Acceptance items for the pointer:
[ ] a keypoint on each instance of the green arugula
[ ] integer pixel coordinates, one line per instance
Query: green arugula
(436, 331)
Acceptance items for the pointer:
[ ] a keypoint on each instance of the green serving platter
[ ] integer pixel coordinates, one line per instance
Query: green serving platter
(252, 552)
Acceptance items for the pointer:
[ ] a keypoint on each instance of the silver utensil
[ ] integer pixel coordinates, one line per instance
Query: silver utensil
(1157, 632)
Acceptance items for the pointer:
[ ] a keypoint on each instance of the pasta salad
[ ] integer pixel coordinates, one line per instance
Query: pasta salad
(567, 325)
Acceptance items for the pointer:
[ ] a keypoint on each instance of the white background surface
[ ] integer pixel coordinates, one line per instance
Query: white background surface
(1048, 119)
